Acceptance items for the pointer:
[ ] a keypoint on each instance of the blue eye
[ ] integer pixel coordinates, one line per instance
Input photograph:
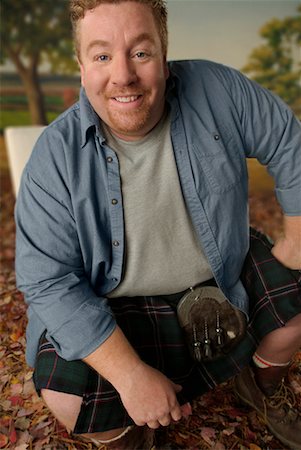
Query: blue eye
(102, 58)
(141, 54)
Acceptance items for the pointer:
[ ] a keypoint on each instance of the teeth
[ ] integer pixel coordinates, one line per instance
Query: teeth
(132, 98)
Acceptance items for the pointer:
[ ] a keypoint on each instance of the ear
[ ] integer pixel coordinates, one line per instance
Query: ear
(166, 68)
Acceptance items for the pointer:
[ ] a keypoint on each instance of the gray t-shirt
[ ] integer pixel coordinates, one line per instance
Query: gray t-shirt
(163, 255)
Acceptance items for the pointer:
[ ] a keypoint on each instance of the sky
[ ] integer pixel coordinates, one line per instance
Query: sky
(225, 31)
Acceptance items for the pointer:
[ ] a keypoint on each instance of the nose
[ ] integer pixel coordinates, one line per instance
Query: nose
(123, 71)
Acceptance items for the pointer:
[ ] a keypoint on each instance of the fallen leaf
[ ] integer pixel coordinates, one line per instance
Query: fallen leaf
(3, 440)
(25, 412)
(22, 423)
(254, 447)
(12, 433)
(218, 446)
(228, 431)
(6, 405)
(296, 387)
(16, 400)
(21, 447)
(208, 434)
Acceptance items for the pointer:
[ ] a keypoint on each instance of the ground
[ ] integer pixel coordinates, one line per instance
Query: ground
(218, 422)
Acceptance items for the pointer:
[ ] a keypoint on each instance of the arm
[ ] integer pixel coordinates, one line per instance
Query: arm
(273, 135)
(50, 272)
(148, 396)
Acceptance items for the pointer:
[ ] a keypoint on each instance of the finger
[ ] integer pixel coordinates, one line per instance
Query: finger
(154, 424)
(176, 413)
(177, 387)
(165, 421)
(139, 423)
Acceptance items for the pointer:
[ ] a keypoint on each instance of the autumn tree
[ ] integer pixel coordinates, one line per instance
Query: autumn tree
(276, 64)
(34, 32)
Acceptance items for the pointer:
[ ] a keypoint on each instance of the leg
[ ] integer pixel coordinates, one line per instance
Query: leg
(274, 355)
(66, 408)
(264, 389)
(280, 345)
(274, 293)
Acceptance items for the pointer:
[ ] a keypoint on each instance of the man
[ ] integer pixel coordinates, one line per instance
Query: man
(131, 197)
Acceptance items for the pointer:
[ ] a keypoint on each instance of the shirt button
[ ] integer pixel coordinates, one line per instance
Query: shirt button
(109, 159)
(216, 137)
(114, 201)
(115, 243)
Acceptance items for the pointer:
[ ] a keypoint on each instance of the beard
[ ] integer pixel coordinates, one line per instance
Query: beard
(131, 122)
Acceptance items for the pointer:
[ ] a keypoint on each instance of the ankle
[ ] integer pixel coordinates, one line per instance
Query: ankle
(105, 437)
(132, 437)
(263, 363)
(269, 379)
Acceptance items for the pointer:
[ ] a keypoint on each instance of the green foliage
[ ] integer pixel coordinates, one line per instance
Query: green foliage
(19, 118)
(39, 30)
(276, 64)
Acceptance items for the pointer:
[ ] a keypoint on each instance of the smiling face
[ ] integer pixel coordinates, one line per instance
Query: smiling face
(123, 68)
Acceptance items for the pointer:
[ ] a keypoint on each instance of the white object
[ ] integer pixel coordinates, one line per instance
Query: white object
(19, 144)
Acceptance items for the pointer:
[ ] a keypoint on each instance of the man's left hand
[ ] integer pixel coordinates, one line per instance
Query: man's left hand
(288, 252)
(287, 248)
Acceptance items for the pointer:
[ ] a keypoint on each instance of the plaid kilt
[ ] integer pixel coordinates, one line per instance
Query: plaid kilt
(151, 326)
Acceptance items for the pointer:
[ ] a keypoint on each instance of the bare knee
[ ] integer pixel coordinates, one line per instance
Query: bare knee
(64, 407)
(295, 324)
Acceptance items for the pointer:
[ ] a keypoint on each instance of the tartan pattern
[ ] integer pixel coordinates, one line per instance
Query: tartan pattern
(150, 324)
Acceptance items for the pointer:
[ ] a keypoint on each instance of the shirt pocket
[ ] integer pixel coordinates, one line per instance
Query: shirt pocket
(220, 160)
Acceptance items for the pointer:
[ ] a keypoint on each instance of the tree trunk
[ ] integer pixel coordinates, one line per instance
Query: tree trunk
(35, 97)
(30, 78)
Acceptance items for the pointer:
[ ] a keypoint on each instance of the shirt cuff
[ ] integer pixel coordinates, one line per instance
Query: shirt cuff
(290, 201)
(84, 332)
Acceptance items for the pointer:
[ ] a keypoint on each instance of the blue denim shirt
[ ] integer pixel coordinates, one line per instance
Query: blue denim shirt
(70, 236)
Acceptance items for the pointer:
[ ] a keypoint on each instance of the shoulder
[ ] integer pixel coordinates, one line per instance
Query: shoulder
(202, 70)
(195, 79)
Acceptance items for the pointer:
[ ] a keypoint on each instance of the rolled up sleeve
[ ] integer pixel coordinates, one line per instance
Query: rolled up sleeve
(270, 133)
(50, 272)
(273, 135)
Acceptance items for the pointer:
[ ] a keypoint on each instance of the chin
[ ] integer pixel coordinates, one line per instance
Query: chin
(133, 128)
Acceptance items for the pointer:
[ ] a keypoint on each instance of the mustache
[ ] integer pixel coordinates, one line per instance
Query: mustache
(127, 92)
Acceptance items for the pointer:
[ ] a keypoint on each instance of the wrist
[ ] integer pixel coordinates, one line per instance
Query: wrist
(114, 359)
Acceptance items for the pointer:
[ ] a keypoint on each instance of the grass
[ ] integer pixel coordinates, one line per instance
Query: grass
(20, 118)
(22, 100)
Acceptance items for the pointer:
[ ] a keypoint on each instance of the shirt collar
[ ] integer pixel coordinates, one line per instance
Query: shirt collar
(88, 118)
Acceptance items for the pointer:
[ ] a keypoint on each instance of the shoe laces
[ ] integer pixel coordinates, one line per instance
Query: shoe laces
(283, 399)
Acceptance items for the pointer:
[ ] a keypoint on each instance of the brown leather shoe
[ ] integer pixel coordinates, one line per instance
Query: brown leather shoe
(277, 410)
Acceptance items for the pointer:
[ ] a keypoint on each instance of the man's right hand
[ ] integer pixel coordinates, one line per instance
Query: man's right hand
(150, 397)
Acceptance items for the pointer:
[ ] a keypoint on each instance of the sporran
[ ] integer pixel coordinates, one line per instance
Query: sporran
(211, 325)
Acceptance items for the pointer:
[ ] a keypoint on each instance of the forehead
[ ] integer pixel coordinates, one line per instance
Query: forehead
(116, 22)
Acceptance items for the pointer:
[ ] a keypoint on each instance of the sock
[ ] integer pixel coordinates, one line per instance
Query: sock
(264, 364)
(107, 441)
